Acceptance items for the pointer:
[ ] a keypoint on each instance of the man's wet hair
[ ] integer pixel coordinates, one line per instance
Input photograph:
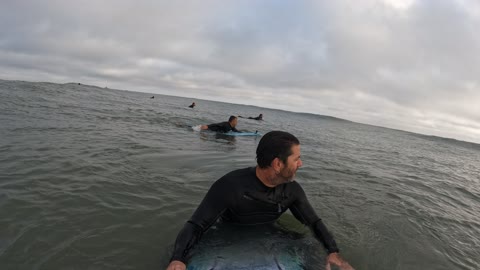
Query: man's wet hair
(232, 117)
(275, 144)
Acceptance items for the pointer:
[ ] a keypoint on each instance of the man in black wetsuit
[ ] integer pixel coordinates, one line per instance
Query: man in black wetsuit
(257, 195)
(223, 126)
(259, 117)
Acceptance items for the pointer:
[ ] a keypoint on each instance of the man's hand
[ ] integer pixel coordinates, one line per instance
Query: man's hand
(176, 265)
(335, 259)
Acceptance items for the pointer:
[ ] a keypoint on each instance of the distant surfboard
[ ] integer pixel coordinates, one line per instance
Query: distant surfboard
(231, 133)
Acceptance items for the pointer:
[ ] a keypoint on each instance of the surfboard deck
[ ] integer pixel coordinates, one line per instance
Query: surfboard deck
(231, 133)
(257, 247)
(280, 261)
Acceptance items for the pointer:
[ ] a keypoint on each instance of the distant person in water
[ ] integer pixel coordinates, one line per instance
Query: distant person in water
(193, 105)
(153, 97)
(223, 126)
(259, 117)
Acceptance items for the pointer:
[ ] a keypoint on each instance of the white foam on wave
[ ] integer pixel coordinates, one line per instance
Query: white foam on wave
(197, 128)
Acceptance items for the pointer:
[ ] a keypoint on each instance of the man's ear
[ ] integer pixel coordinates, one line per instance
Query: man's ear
(277, 164)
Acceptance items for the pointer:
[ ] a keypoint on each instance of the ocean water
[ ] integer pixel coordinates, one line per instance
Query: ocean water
(94, 178)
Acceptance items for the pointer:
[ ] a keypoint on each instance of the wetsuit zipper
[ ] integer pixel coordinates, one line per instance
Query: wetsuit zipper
(279, 205)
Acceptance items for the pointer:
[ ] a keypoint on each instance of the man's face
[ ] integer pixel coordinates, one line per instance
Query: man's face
(291, 166)
(234, 122)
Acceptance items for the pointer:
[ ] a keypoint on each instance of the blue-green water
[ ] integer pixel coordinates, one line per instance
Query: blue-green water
(94, 178)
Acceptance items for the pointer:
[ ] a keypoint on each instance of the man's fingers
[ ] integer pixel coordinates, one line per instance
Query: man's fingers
(176, 265)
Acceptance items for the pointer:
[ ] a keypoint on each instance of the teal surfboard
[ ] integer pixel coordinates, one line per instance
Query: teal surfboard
(231, 133)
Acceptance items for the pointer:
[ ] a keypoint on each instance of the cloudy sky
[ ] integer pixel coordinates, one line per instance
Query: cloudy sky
(406, 64)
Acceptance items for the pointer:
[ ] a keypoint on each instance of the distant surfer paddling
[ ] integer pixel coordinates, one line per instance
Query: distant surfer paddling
(223, 126)
(192, 106)
(269, 188)
(259, 117)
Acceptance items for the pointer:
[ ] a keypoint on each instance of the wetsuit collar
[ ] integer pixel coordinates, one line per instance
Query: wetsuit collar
(259, 180)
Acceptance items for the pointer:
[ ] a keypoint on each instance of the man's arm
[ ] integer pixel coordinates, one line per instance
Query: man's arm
(207, 213)
(304, 212)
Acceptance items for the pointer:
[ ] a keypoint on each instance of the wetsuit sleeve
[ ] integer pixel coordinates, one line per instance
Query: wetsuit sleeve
(235, 130)
(303, 211)
(207, 213)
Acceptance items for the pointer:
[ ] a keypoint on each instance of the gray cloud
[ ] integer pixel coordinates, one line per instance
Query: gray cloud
(403, 64)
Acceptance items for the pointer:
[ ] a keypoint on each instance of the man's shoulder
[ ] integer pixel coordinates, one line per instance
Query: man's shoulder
(234, 180)
(293, 186)
(240, 173)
